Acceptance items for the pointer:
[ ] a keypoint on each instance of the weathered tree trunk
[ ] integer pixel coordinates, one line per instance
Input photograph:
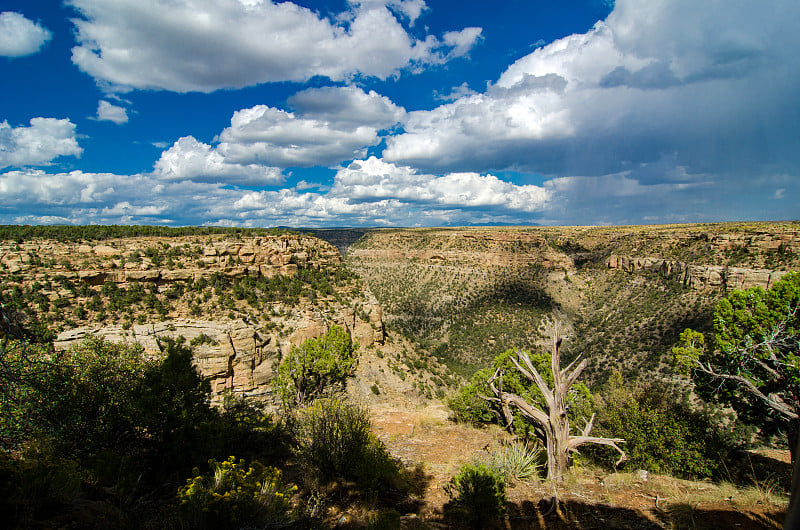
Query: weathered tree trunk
(554, 423)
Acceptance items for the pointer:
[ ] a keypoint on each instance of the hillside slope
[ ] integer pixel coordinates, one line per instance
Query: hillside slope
(625, 292)
(241, 302)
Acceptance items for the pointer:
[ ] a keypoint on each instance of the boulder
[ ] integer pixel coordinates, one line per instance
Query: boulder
(105, 251)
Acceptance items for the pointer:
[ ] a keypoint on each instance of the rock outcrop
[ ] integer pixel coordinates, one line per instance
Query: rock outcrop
(238, 342)
(134, 260)
(237, 355)
(698, 276)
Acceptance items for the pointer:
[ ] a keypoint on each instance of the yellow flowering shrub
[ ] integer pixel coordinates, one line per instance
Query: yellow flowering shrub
(236, 494)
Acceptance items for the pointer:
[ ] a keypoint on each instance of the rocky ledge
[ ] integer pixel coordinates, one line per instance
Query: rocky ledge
(238, 355)
(698, 276)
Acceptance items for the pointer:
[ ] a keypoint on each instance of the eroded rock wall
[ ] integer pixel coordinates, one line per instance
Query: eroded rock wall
(126, 260)
(698, 276)
(236, 355)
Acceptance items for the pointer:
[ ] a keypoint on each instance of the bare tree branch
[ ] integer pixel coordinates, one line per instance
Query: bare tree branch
(773, 401)
(551, 420)
(577, 441)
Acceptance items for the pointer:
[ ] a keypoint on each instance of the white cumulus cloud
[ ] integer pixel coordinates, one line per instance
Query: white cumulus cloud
(206, 45)
(20, 36)
(79, 197)
(373, 192)
(189, 159)
(330, 125)
(712, 87)
(375, 180)
(272, 136)
(108, 112)
(37, 145)
(347, 106)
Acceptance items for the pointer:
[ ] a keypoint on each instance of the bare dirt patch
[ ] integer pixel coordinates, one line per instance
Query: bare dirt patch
(589, 498)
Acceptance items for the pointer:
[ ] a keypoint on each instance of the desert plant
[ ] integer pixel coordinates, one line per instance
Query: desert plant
(236, 495)
(517, 460)
(478, 495)
(335, 441)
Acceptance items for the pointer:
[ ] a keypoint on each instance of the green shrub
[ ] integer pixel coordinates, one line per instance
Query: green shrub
(248, 431)
(335, 442)
(181, 429)
(103, 402)
(202, 339)
(663, 432)
(235, 495)
(478, 495)
(467, 405)
(317, 367)
(82, 400)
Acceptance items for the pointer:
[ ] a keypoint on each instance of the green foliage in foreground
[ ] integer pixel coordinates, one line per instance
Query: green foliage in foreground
(663, 432)
(478, 495)
(100, 401)
(236, 495)
(753, 363)
(316, 367)
(335, 442)
(102, 414)
(100, 419)
(468, 406)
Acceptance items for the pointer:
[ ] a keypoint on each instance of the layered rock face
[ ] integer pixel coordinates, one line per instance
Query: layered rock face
(236, 356)
(699, 276)
(132, 260)
(472, 289)
(426, 269)
(476, 292)
(238, 341)
(469, 247)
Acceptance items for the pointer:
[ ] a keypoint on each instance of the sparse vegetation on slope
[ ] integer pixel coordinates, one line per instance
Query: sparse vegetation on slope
(130, 282)
(630, 324)
(469, 294)
(22, 233)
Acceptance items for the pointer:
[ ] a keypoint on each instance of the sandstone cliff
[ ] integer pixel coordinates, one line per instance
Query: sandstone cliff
(462, 294)
(244, 303)
(132, 260)
(699, 276)
(238, 355)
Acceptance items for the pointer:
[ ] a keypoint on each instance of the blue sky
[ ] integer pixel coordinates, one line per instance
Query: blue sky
(398, 112)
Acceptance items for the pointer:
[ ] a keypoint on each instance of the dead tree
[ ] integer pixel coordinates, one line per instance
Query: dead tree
(550, 421)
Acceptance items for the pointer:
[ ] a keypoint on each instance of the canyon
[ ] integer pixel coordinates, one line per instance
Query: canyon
(446, 296)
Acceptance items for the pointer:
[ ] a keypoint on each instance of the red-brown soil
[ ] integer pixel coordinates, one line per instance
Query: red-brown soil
(589, 498)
